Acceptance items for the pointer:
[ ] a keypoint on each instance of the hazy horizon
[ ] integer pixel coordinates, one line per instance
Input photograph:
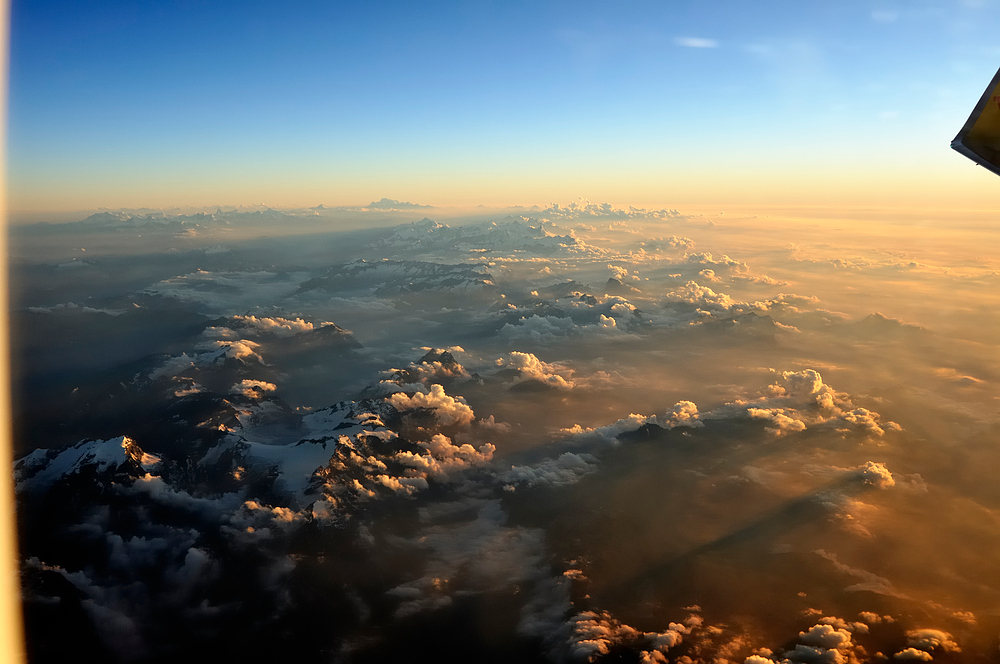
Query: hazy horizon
(459, 104)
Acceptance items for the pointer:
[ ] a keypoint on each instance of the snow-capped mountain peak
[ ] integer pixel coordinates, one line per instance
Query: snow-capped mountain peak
(41, 469)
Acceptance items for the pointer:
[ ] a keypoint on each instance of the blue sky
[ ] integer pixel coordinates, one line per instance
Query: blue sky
(115, 103)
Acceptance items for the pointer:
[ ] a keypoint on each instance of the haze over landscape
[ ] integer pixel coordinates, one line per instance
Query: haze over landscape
(732, 398)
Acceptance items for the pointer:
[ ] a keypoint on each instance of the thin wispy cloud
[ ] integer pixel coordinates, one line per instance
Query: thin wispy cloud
(696, 42)
(884, 16)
